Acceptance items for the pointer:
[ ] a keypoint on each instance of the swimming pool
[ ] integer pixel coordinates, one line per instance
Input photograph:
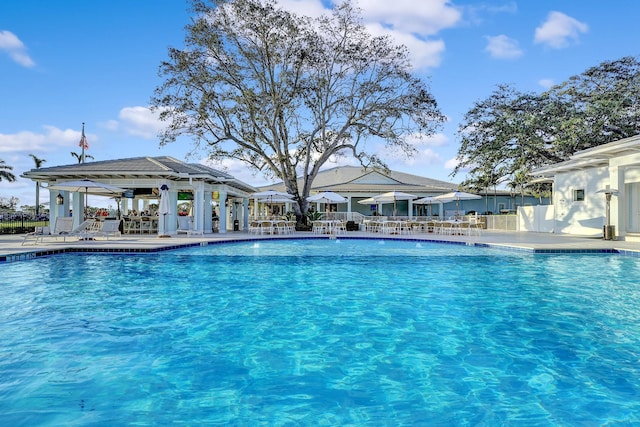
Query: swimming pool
(321, 332)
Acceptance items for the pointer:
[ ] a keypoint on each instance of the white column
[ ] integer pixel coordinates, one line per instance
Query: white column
(223, 211)
(208, 212)
(172, 217)
(56, 210)
(245, 213)
(78, 206)
(198, 208)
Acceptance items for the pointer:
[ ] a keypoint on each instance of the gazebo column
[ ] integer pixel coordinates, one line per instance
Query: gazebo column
(56, 210)
(223, 212)
(123, 205)
(208, 212)
(172, 217)
(198, 208)
(245, 213)
(78, 207)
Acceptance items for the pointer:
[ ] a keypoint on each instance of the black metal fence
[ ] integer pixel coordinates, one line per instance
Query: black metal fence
(21, 222)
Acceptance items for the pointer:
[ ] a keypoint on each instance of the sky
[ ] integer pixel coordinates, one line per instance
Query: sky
(71, 62)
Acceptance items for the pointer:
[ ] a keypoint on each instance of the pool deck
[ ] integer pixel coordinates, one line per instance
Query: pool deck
(11, 248)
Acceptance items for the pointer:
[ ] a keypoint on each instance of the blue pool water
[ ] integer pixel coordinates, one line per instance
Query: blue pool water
(322, 333)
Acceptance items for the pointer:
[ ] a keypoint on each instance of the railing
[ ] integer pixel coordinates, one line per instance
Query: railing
(507, 222)
(502, 222)
(21, 222)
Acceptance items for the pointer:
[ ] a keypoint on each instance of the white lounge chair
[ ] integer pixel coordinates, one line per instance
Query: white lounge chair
(36, 235)
(185, 225)
(106, 228)
(63, 226)
(82, 230)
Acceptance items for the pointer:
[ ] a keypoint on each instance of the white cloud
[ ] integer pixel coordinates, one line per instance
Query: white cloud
(11, 44)
(423, 53)
(559, 30)
(111, 125)
(451, 163)
(407, 22)
(239, 170)
(546, 83)
(412, 24)
(424, 18)
(311, 8)
(139, 121)
(50, 140)
(436, 140)
(503, 47)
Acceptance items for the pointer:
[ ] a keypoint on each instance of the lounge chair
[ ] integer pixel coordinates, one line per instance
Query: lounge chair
(106, 228)
(62, 228)
(185, 225)
(82, 230)
(36, 235)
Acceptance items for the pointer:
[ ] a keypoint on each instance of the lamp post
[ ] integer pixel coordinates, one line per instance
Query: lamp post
(609, 231)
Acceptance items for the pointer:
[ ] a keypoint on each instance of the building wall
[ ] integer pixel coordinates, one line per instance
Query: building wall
(581, 217)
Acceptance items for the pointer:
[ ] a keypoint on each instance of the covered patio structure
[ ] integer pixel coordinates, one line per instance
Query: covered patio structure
(212, 193)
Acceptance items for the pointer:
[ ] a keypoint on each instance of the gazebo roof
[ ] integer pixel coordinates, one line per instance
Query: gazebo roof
(163, 167)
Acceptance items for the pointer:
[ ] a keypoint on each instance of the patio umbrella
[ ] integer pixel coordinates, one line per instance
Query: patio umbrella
(272, 196)
(275, 199)
(457, 196)
(87, 187)
(389, 197)
(164, 209)
(327, 197)
(269, 194)
(427, 201)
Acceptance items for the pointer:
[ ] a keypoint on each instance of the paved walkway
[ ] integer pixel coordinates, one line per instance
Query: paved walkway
(11, 245)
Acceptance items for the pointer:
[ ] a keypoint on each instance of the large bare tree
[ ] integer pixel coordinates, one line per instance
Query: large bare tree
(284, 93)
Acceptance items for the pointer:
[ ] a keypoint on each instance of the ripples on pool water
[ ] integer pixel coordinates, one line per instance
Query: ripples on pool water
(321, 332)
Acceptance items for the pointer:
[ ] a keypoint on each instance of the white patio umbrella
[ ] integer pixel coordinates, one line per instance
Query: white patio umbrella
(272, 196)
(164, 208)
(87, 187)
(429, 200)
(270, 193)
(327, 197)
(276, 199)
(457, 196)
(389, 197)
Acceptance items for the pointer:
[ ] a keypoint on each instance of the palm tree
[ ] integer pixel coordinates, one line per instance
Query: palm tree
(79, 156)
(5, 172)
(38, 162)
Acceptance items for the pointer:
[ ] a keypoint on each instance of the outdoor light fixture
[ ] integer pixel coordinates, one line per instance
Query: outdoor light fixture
(59, 199)
(609, 231)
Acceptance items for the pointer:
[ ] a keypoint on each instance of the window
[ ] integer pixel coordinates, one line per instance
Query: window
(578, 195)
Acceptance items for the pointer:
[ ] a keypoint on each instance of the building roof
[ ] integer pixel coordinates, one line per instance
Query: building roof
(354, 179)
(592, 157)
(163, 167)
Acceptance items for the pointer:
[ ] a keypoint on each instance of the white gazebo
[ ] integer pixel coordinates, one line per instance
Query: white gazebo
(142, 177)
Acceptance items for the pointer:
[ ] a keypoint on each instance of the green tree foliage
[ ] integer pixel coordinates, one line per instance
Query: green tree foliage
(78, 157)
(5, 172)
(8, 205)
(284, 94)
(510, 133)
